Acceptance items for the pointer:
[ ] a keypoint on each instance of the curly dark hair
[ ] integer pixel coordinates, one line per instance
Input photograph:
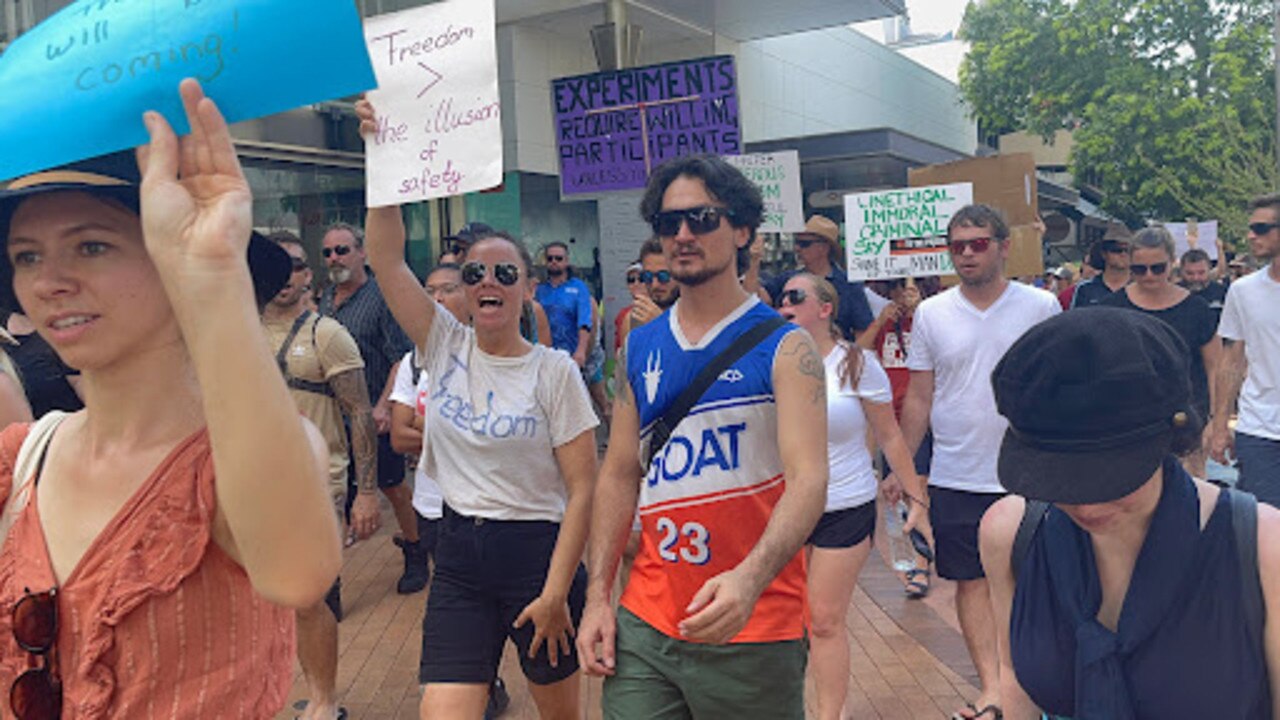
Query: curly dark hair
(724, 183)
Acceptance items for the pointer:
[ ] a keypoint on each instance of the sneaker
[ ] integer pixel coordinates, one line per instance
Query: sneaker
(498, 700)
(417, 569)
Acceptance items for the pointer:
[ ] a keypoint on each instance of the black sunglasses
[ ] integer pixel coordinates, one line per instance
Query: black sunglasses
(556, 258)
(506, 273)
(1262, 228)
(1113, 246)
(701, 220)
(37, 693)
(663, 276)
(633, 278)
(794, 296)
(298, 263)
(1155, 268)
(806, 243)
(338, 250)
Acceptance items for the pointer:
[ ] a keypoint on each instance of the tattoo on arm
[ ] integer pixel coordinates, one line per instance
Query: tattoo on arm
(622, 395)
(809, 363)
(353, 396)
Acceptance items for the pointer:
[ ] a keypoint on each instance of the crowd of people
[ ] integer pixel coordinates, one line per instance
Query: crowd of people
(174, 505)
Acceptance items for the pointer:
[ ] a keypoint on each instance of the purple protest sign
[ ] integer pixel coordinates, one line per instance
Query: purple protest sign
(613, 128)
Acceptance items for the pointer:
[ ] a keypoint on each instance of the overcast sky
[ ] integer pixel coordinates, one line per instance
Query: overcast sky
(931, 16)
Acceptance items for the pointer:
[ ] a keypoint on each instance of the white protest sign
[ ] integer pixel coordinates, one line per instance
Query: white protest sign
(901, 233)
(439, 118)
(1206, 240)
(778, 177)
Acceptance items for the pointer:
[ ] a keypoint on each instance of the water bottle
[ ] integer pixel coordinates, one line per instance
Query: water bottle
(901, 556)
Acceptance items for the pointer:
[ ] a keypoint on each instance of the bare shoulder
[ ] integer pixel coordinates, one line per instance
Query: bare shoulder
(1000, 523)
(797, 367)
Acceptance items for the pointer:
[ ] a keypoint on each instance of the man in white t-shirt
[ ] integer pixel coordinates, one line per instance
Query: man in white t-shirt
(1250, 330)
(957, 338)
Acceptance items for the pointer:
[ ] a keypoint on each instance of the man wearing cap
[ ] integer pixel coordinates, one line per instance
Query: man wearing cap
(355, 300)
(1250, 371)
(1115, 254)
(957, 337)
(818, 250)
(322, 366)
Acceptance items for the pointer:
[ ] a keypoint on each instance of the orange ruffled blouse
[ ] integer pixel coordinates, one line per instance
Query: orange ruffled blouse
(156, 621)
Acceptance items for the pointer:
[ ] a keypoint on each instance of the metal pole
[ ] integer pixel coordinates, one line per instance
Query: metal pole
(615, 12)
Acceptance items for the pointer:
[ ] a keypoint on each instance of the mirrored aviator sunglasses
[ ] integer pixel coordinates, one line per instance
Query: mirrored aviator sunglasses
(701, 220)
(473, 273)
(37, 693)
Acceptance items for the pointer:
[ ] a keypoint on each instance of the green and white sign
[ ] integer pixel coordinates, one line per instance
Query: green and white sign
(901, 233)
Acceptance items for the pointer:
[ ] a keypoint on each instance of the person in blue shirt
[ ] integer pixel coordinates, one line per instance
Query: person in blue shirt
(818, 250)
(567, 302)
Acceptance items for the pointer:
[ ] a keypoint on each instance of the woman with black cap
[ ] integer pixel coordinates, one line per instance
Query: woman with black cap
(1123, 589)
(155, 541)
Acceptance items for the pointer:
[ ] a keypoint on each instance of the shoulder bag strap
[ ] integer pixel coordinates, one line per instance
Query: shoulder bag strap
(24, 468)
(1032, 516)
(282, 355)
(693, 392)
(1244, 521)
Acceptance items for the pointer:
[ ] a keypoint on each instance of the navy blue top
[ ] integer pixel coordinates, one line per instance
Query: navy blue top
(1182, 648)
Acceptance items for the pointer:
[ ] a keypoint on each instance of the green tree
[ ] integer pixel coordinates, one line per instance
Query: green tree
(1170, 102)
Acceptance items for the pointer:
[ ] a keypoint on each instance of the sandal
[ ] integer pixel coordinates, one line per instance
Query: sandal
(917, 589)
(994, 710)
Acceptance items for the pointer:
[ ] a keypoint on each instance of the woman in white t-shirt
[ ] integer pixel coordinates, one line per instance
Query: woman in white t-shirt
(509, 438)
(858, 395)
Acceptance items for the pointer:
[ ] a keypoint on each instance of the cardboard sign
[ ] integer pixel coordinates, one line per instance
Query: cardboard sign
(778, 177)
(76, 85)
(1205, 235)
(1006, 182)
(439, 117)
(901, 233)
(612, 128)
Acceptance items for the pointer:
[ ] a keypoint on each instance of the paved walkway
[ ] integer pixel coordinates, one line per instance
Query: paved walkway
(908, 660)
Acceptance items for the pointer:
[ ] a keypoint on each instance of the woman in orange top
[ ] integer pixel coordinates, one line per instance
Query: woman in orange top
(133, 581)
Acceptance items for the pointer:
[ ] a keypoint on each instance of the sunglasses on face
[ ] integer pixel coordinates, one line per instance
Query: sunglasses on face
(806, 243)
(1262, 228)
(37, 693)
(633, 279)
(662, 276)
(977, 245)
(1112, 246)
(338, 250)
(556, 258)
(1154, 268)
(506, 273)
(701, 220)
(793, 297)
(297, 263)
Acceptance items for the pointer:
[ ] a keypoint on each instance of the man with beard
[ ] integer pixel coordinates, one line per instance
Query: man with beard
(567, 302)
(1197, 278)
(957, 338)
(354, 300)
(715, 603)
(660, 289)
(325, 374)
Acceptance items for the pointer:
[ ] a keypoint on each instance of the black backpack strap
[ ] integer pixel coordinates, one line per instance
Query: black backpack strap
(282, 358)
(663, 426)
(1032, 516)
(1244, 521)
(282, 355)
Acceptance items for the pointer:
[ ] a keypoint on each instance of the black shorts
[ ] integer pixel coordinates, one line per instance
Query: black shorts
(391, 470)
(923, 458)
(844, 528)
(487, 571)
(955, 515)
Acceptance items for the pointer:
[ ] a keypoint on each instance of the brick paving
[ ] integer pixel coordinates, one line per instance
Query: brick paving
(908, 659)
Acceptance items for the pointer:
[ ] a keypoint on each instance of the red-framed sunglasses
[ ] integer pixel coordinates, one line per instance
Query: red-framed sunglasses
(37, 693)
(978, 245)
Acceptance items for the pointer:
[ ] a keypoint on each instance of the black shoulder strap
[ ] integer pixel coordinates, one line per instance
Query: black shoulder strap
(1244, 520)
(693, 392)
(282, 355)
(1032, 516)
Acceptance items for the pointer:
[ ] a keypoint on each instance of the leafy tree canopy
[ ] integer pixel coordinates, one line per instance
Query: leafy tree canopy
(1171, 102)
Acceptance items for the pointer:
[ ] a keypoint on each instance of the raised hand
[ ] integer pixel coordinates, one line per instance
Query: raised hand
(197, 210)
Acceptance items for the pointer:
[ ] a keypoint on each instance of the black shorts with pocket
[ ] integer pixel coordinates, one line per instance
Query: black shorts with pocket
(487, 572)
(955, 515)
(845, 528)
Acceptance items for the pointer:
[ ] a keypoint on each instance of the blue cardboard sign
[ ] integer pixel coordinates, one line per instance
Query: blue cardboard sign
(76, 85)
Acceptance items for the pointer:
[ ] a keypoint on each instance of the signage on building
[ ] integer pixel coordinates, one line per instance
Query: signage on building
(76, 85)
(778, 177)
(612, 128)
(901, 233)
(439, 117)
